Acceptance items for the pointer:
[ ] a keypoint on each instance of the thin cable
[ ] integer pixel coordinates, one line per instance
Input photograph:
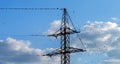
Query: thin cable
(30, 35)
(30, 9)
(22, 35)
(71, 21)
(81, 41)
(18, 55)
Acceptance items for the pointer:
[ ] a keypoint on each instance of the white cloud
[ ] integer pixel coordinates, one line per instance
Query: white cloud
(115, 19)
(102, 37)
(100, 34)
(14, 51)
(111, 61)
(55, 25)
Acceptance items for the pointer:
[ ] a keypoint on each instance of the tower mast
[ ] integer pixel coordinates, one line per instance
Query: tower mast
(64, 32)
(65, 39)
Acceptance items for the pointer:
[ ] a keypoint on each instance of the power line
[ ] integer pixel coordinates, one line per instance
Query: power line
(32, 35)
(18, 55)
(30, 8)
(81, 41)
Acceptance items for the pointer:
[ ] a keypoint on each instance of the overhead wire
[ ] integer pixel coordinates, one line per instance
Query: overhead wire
(71, 21)
(19, 55)
(30, 8)
(22, 35)
(31, 35)
(81, 41)
(77, 33)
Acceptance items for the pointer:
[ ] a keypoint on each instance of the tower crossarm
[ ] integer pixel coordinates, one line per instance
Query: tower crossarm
(59, 51)
(73, 50)
(53, 53)
(70, 31)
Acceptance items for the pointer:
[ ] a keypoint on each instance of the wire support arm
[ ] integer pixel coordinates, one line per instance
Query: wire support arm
(59, 51)
(71, 31)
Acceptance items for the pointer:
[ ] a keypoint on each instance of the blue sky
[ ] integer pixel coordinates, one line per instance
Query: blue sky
(90, 14)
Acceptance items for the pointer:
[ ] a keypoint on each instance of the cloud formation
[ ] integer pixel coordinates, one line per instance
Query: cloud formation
(102, 37)
(111, 61)
(14, 51)
(54, 26)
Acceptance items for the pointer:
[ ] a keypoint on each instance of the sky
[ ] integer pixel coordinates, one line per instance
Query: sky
(98, 21)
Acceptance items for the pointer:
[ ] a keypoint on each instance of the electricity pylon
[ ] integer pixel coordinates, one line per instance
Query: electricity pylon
(64, 33)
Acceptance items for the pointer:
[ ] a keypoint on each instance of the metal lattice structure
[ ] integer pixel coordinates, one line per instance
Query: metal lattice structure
(64, 33)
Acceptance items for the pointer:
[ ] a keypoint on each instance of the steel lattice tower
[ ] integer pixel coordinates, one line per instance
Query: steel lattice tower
(64, 32)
